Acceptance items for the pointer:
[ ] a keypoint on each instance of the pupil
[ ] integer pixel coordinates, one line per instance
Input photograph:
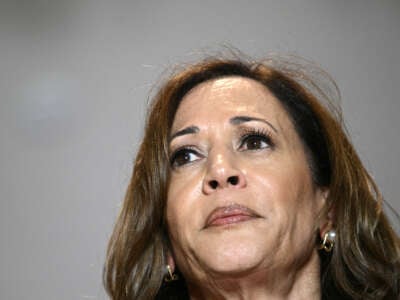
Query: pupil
(254, 143)
(185, 157)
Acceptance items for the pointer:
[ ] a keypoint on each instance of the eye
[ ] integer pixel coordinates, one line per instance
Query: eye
(255, 140)
(184, 156)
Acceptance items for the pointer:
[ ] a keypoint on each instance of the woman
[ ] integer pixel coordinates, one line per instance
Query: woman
(246, 187)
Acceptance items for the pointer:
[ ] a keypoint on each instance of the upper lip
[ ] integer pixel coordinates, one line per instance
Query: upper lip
(230, 210)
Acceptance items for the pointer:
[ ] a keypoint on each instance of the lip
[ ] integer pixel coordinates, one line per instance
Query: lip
(232, 214)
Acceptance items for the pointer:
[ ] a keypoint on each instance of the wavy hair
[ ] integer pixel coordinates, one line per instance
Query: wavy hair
(365, 263)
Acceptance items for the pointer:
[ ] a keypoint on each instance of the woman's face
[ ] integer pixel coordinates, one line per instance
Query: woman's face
(241, 196)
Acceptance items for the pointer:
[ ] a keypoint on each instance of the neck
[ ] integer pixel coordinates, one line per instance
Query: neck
(299, 283)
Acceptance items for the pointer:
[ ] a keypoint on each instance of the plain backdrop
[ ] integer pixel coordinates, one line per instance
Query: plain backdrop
(74, 82)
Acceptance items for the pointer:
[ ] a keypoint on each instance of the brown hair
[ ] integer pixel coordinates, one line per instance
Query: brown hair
(365, 262)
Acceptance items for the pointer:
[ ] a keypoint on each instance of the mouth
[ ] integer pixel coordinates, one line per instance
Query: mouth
(228, 215)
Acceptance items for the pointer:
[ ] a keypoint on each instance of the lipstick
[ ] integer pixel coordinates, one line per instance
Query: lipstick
(232, 214)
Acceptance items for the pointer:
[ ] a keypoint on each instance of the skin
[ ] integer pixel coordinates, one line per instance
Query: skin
(271, 254)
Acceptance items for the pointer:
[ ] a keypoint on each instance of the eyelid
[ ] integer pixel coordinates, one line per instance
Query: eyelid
(174, 150)
(246, 132)
(189, 148)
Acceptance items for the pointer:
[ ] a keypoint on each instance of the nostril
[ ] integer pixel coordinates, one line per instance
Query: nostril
(234, 180)
(213, 184)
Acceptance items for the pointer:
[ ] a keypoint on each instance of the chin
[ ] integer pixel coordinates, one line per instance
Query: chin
(234, 253)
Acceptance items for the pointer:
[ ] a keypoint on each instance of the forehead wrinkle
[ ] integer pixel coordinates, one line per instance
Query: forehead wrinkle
(215, 88)
(217, 92)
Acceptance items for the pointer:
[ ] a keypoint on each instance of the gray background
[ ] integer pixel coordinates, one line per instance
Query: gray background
(74, 81)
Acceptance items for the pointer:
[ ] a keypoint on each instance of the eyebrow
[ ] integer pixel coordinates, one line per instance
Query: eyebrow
(243, 119)
(187, 130)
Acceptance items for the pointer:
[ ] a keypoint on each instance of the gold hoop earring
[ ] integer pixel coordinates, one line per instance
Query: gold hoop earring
(329, 241)
(170, 276)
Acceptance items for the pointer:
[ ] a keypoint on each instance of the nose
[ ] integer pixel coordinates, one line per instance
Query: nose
(222, 173)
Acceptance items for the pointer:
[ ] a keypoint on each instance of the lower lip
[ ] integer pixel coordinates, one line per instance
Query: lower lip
(229, 220)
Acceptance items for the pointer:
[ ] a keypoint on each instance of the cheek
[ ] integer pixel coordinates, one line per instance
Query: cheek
(287, 194)
(182, 204)
(176, 222)
(290, 214)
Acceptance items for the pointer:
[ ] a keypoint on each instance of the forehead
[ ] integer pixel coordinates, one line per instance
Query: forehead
(213, 100)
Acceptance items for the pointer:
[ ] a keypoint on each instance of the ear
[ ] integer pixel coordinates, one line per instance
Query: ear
(328, 216)
(171, 261)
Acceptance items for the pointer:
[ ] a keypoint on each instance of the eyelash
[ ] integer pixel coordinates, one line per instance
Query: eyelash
(262, 135)
(182, 151)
